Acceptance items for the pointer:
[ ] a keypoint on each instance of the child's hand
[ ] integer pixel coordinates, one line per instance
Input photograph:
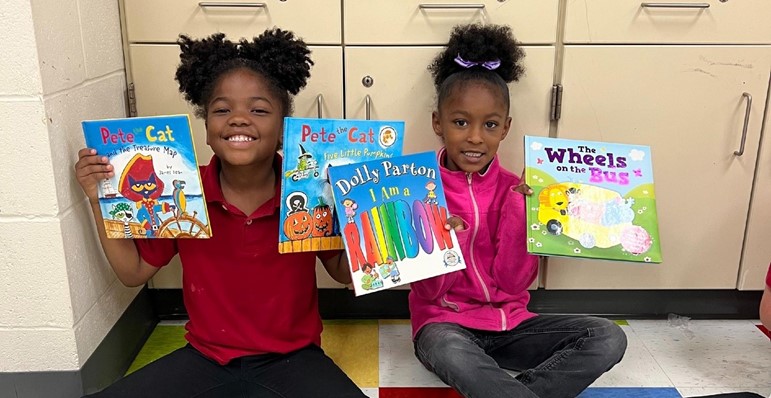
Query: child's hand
(90, 170)
(455, 223)
(523, 188)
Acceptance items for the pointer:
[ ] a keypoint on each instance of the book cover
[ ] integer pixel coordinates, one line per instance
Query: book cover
(156, 191)
(591, 199)
(311, 147)
(392, 214)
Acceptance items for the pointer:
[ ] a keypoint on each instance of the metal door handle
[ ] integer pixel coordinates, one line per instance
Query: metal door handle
(367, 106)
(319, 102)
(674, 5)
(740, 152)
(211, 4)
(450, 6)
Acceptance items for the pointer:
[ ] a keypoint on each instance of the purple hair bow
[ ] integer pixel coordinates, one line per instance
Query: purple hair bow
(489, 65)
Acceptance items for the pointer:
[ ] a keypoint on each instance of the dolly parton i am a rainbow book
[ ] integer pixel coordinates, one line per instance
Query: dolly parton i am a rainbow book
(392, 214)
(156, 191)
(591, 199)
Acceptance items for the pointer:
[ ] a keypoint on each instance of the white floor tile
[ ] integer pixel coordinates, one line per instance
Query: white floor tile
(638, 368)
(398, 365)
(698, 392)
(706, 353)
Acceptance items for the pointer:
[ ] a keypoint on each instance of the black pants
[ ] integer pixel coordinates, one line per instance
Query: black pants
(188, 373)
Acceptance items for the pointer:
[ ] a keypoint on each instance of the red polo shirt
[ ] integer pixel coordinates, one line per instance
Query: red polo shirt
(768, 276)
(241, 295)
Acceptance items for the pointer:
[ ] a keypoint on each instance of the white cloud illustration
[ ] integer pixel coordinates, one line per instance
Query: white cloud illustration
(636, 155)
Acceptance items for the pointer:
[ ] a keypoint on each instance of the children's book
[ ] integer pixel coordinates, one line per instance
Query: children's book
(392, 214)
(591, 199)
(311, 147)
(156, 191)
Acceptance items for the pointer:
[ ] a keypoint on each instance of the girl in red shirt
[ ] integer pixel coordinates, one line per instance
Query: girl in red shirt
(254, 328)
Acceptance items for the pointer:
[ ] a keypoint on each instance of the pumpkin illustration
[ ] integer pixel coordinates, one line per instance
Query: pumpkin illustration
(322, 220)
(298, 225)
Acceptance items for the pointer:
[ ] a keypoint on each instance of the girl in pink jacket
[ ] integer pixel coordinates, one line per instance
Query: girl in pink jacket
(470, 325)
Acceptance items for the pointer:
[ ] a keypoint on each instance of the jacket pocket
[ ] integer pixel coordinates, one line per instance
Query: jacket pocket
(449, 304)
(514, 269)
(463, 237)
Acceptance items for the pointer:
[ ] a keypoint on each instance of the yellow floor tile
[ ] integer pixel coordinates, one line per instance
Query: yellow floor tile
(353, 345)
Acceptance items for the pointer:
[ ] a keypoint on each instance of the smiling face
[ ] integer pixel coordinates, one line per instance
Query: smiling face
(322, 221)
(244, 120)
(472, 121)
(297, 226)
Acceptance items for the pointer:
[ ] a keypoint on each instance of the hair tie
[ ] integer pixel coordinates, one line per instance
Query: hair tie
(489, 65)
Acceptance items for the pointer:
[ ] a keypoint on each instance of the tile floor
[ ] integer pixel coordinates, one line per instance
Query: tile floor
(664, 359)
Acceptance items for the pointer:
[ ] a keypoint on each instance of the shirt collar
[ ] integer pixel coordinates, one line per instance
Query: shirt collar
(213, 189)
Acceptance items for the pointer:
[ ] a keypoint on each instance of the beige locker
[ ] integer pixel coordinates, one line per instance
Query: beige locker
(150, 21)
(667, 21)
(687, 103)
(757, 244)
(372, 22)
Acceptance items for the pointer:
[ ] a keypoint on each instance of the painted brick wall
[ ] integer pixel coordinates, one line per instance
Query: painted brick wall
(62, 63)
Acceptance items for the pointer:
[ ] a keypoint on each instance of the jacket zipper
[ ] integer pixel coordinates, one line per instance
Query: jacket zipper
(473, 262)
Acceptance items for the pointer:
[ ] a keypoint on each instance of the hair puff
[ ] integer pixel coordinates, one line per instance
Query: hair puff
(199, 60)
(281, 56)
(480, 43)
(276, 54)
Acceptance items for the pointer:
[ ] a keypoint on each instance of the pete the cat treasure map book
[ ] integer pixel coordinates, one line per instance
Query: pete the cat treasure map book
(156, 191)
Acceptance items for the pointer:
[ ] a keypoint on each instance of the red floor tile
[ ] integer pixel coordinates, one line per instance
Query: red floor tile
(764, 330)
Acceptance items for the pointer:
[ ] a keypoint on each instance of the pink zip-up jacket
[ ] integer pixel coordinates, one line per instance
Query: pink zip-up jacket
(491, 293)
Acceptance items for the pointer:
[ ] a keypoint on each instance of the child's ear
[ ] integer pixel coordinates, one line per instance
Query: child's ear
(506, 127)
(436, 124)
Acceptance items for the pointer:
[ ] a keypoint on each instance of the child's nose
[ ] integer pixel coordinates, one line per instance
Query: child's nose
(475, 135)
(239, 118)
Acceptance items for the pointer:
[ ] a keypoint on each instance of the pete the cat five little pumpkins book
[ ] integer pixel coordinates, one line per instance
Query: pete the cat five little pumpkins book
(311, 148)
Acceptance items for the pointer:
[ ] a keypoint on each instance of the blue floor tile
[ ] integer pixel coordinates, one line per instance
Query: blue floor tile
(630, 392)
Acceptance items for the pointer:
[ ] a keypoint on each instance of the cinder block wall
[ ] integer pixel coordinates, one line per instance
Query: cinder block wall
(62, 62)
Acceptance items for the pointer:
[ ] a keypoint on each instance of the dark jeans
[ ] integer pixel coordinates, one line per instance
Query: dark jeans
(557, 355)
(188, 373)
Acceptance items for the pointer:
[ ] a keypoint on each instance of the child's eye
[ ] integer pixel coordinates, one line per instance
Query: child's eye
(491, 125)
(260, 111)
(220, 110)
(461, 123)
